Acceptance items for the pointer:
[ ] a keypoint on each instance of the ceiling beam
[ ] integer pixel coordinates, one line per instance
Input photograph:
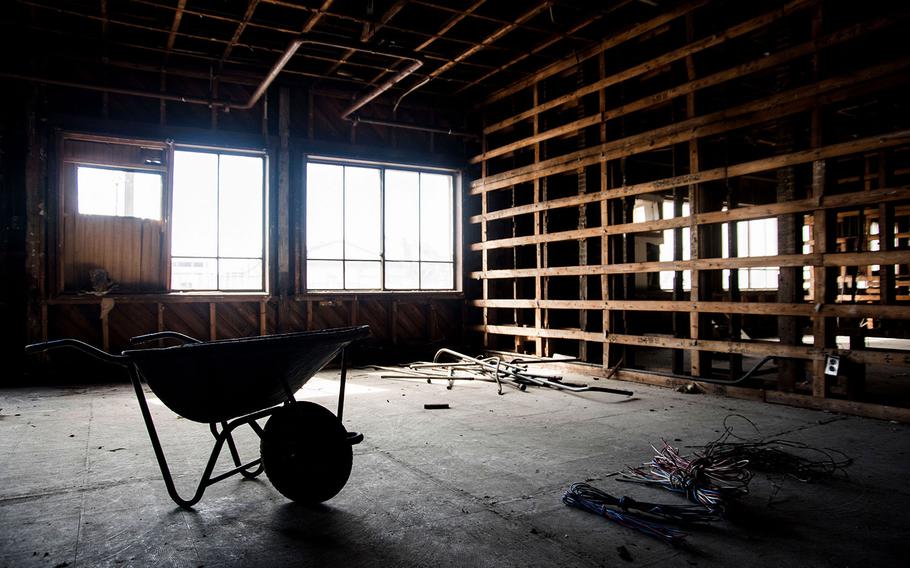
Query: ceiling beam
(368, 32)
(486, 41)
(316, 16)
(247, 16)
(175, 25)
(451, 24)
(541, 46)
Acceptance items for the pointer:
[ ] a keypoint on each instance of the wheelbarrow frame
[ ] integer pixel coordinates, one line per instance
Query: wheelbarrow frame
(225, 435)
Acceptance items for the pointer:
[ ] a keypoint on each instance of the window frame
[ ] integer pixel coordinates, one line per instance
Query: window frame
(382, 166)
(68, 192)
(218, 150)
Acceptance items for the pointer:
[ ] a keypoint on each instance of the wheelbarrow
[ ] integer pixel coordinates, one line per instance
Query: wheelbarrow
(305, 450)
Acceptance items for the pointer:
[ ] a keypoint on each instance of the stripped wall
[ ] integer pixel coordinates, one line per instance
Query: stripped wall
(794, 111)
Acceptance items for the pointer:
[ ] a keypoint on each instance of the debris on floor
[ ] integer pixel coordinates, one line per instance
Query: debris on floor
(442, 406)
(690, 388)
(460, 367)
(711, 478)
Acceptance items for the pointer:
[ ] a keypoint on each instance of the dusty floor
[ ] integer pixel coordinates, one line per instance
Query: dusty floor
(478, 484)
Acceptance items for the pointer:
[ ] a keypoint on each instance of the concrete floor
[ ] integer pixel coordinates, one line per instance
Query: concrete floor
(476, 485)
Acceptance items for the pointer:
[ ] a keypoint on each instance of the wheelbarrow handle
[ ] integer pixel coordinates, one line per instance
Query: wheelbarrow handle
(140, 339)
(80, 346)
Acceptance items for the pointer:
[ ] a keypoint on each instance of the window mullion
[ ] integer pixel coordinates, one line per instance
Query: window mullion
(218, 223)
(344, 237)
(382, 229)
(419, 232)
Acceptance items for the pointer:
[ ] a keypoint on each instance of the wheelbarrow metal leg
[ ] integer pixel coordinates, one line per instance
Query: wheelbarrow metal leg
(235, 455)
(220, 438)
(344, 376)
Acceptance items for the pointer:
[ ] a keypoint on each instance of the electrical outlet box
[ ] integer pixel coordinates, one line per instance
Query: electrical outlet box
(832, 364)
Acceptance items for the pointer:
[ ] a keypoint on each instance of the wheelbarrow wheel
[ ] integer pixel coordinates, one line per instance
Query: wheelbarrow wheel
(306, 452)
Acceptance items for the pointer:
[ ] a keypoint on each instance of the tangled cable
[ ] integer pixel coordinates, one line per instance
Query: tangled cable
(715, 474)
(707, 479)
(777, 455)
(638, 515)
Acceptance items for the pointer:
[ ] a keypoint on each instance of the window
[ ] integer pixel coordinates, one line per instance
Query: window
(379, 227)
(159, 217)
(666, 249)
(757, 237)
(118, 193)
(217, 222)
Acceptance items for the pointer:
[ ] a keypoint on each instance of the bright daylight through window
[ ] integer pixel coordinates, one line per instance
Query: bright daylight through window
(118, 193)
(217, 237)
(379, 228)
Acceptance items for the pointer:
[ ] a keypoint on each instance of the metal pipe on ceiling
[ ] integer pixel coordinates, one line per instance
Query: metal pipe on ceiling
(408, 126)
(227, 106)
(414, 66)
(263, 86)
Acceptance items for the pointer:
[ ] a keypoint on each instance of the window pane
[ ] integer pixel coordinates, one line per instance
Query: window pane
(117, 192)
(361, 213)
(325, 213)
(402, 215)
(194, 223)
(436, 217)
(240, 207)
(402, 275)
(240, 274)
(324, 275)
(436, 276)
(194, 274)
(360, 275)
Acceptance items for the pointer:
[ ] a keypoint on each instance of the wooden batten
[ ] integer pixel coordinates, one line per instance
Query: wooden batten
(626, 156)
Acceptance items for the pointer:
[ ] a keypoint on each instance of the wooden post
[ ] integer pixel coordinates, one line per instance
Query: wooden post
(107, 304)
(283, 235)
(35, 228)
(582, 183)
(263, 317)
(538, 252)
(822, 278)
(484, 264)
(699, 361)
(213, 322)
(604, 220)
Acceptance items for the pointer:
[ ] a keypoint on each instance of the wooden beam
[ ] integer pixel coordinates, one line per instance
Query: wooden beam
(542, 46)
(812, 259)
(691, 86)
(807, 205)
(614, 40)
(283, 234)
(502, 31)
(757, 308)
(175, 25)
(35, 220)
(881, 142)
(316, 16)
(756, 112)
(238, 31)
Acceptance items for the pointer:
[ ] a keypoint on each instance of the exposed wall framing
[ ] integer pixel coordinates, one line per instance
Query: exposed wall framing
(689, 124)
(288, 123)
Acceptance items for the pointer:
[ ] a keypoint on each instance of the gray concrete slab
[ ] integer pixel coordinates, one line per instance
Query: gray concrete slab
(478, 484)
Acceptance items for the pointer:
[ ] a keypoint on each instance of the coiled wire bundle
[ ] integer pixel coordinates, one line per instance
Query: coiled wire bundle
(647, 518)
(709, 479)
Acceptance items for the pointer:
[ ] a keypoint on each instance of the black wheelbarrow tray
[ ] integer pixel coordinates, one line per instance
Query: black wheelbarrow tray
(305, 450)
